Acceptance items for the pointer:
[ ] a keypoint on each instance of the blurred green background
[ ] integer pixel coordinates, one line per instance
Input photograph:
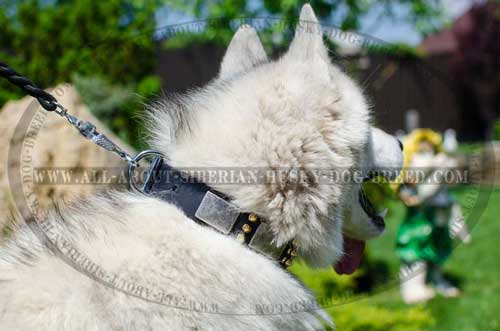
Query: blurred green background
(369, 300)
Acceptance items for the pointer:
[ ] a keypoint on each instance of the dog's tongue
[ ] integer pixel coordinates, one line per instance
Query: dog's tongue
(353, 253)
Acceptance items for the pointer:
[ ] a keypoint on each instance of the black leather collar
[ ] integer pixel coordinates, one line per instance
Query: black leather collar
(212, 208)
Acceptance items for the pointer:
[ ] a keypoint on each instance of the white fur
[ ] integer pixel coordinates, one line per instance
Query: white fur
(299, 111)
(154, 245)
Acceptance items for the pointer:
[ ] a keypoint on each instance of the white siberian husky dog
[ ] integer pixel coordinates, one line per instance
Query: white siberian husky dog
(300, 111)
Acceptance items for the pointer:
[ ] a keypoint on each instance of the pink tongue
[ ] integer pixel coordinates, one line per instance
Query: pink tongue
(353, 252)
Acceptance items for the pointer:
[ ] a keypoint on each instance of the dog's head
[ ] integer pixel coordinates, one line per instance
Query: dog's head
(299, 112)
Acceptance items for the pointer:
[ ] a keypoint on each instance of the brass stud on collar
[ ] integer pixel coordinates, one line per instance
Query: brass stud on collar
(246, 228)
(292, 251)
(252, 217)
(287, 262)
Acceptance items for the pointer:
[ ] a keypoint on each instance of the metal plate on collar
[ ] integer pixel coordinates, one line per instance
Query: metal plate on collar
(262, 242)
(217, 212)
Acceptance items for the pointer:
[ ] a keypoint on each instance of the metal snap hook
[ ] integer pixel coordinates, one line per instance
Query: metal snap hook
(134, 164)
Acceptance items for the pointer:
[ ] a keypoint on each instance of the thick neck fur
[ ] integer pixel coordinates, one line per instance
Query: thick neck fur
(279, 115)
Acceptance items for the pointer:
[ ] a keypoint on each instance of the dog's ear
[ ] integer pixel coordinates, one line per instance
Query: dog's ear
(307, 45)
(244, 52)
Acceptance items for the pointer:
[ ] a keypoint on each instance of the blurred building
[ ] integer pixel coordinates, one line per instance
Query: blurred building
(455, 85)
(431, 85)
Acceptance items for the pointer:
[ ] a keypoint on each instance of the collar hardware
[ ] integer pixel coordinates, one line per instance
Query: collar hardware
(204, 205)
(217, 212)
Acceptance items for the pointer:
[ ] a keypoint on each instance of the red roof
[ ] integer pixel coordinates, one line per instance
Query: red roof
(445, 41)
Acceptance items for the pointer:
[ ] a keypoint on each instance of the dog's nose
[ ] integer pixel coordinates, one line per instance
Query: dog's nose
(400, 145)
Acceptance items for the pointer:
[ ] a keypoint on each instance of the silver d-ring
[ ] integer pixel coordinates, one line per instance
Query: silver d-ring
(135, 163)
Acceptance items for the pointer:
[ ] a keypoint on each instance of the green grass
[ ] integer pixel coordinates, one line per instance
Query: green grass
(361, 303)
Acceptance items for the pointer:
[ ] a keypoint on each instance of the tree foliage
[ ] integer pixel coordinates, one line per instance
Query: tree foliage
(107, 43)
(344, 14)
(50, 41)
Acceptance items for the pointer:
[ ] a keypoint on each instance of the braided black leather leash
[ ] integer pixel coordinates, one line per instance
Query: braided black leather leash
(87, 129)
(47, 101)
